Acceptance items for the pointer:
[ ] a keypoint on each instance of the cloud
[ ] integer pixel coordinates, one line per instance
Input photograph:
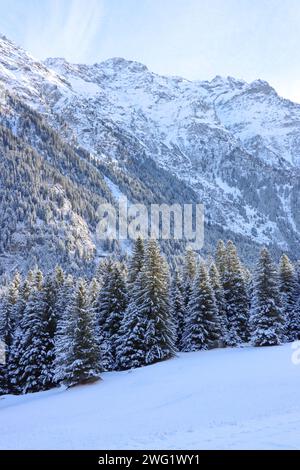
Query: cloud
(197, 39)
(65, 28)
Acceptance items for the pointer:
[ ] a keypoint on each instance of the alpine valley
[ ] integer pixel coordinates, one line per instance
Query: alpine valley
(73, 136)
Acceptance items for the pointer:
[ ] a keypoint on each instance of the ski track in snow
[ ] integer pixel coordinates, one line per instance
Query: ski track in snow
(223, 399)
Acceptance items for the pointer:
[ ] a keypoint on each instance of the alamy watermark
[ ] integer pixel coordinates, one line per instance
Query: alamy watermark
(156, 221)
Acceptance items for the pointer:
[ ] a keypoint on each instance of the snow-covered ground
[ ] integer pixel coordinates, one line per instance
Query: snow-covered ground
(223, 399)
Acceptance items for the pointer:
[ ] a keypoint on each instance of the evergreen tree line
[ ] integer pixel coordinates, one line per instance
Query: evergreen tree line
(61, 330)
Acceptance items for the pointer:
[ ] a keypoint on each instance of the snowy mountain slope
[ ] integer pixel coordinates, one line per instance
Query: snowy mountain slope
(47, 212)
(266, 124)
(50, 192)
(27, 77)
(222, 399)
(132, 95)
(179, 125)
(226, 143)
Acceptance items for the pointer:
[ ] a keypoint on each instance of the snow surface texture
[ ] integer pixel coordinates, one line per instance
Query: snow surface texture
(223, 399)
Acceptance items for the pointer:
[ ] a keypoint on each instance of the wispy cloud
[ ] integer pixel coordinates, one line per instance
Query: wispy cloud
(197, 39)
(59, 27)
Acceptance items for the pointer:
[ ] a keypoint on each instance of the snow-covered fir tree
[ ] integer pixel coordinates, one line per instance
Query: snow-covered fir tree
(93, 291)
(178, 308)
(102, 269)
(236, 296)
(106, 323)
(266, 317)
(56, 297)
(64, 330)
(221, 259)
(109, 309)
(136, 261)
(34, 346)
(38, 279)
(189, 273)
(131, 351)
(8, 324)
(295, 325)
(148, 330)
(82, 359)
(59, 275)
(288, 291)
(12, 364)
(217, 287)
(202, 329)
(131, 348)
(63, 287)
(160, 335)
(50, 294)
(7, 311)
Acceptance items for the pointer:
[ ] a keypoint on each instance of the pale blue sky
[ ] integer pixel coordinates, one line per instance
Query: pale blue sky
(197, 39)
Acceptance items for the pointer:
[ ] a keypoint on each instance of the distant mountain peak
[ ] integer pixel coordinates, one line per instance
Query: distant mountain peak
(55, 60)
(119, 63)
(261, 86)
(114, 64)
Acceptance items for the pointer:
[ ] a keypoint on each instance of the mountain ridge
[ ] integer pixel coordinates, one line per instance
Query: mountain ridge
(227, 143)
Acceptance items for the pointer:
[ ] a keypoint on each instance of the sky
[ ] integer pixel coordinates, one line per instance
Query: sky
(196, 39)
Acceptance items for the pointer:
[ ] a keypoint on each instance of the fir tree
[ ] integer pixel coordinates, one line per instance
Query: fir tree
(93, 291)
(202, 330)
(218, 290)
(236, 296)
(55, 285)
(34, 347)
(136, 261)
(177, 305)
(63, 290)
(59, 276)
(130, 352)
(294, 326)
(102, 269)
(13, 366)
(110, 309)
(154, 305)
(82, 355)
(131, 348)
(266, 320)
(8, 324)
(148, 331)
(8, 313)
(26, 290)
(64, 330)
(288, 289)
(50, 296)
(221, 259)
(4, 389)
(50, 292)
(189, 273)
(38, 280)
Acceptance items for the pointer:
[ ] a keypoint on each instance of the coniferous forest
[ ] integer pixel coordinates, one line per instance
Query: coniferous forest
(60, 330)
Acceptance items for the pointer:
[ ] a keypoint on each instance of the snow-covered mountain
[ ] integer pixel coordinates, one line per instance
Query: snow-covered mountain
(171, 109)
(226, 143)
